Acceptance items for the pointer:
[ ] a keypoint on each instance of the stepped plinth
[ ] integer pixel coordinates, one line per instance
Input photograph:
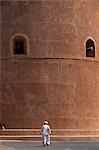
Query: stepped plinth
(57, 134)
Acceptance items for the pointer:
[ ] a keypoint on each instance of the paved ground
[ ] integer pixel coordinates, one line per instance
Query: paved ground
(55, 145)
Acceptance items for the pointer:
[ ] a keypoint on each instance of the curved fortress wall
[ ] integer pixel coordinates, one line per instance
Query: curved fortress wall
(0, 64)
(54, 80)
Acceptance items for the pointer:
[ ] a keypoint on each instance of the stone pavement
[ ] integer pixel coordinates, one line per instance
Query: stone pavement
(55, 145)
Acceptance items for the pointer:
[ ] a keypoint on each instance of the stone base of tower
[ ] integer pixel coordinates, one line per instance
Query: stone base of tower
(57, 134)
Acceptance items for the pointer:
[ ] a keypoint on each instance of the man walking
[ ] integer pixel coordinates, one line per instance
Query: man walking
(45, 132)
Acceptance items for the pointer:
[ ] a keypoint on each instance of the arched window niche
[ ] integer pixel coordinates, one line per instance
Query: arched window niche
(90, 48)
(19, 45)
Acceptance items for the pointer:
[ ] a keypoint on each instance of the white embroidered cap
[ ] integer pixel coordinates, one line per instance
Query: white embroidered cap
(45, 122)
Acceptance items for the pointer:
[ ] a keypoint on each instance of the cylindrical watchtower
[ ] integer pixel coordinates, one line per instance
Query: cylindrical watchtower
(50, 62)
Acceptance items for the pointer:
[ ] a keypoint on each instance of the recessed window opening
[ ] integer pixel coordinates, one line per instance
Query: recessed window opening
(19, 45)
(90, 48)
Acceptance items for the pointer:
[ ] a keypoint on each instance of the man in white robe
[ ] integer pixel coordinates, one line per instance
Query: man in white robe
(46, 132)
